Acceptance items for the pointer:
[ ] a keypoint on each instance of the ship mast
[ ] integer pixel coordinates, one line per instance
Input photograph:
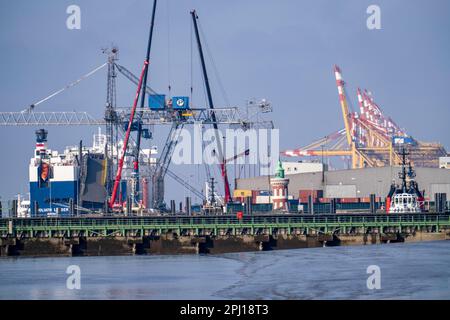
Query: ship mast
(403, 174)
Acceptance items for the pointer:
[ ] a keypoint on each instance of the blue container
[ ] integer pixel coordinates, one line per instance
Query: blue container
(180, 103)
(157, 101)
(402, 140)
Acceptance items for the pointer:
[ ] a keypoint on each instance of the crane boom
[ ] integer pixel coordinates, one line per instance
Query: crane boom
(139, 128)
(220, 154)
(126, 139)
(130, 76)
(130, 123)
(343, 101)
(185, 184)
(227, 116)
(70, 85)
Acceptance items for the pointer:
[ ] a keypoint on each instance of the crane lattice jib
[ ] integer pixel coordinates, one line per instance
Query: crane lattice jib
(228, 116)
(30, 118)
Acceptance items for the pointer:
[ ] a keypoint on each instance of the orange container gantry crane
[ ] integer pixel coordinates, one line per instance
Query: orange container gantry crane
(366, 137)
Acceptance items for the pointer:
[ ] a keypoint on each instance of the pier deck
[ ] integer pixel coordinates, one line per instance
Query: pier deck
(222, 225)
(93, 236)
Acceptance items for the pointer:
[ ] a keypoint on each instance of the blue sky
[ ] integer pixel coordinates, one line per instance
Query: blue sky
(281, 50)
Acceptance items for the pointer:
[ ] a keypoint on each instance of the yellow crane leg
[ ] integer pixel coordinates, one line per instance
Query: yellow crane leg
(354, 156)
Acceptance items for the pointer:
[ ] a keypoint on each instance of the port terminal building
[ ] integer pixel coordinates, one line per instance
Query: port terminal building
(349, 184)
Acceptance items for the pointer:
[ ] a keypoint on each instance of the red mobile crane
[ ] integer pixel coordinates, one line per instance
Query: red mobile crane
(142, 78)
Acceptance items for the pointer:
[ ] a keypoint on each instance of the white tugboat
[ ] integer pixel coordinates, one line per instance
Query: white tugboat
(406, 198)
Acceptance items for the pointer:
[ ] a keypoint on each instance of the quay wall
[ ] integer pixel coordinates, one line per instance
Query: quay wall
(104, 236)
(174, 244)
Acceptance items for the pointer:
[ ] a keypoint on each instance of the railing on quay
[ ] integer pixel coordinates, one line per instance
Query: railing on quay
(230, 221)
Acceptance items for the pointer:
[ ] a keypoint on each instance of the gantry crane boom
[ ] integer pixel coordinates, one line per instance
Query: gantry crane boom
(343, 102)
(228, 116)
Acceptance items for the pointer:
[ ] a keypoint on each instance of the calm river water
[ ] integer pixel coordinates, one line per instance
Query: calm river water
(408, 271)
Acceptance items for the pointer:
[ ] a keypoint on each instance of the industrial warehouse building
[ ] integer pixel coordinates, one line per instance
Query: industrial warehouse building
(355, 183)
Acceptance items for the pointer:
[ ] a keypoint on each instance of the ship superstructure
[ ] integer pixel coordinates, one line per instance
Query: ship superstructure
(53, 179)
(407, 197)
(74, 181)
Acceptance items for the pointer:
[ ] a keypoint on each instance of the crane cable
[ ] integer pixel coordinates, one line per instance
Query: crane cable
(215, 169)
(31, 107)
(206, 166)
(223, 93)
(191, 56)
(169, 86)
(213, 64)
